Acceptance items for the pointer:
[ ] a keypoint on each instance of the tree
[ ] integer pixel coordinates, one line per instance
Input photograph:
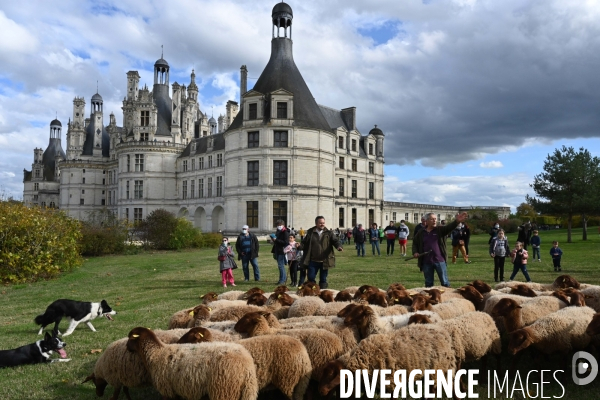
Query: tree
(526, 212)
(568, 186)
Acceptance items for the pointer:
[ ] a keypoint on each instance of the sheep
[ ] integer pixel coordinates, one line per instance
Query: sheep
(593, 296)
(185, 318)
(305, 306)
(281, 289)
(492, 300)
(396, 286)
(233, 313)
(283, 299)
(474, 335)
(378, 298)
(196, 335)
(309, 288)
(223, 330)
(470, 292)
(349, 335)
(414, 347)
(517, 316)
(232, 295)
(214, 334)
(223, 371)
(209, 297)
(329, 309)
(369, 323)
(390, 310)
(593, 327)
(343, 295)
(122, 369)
(565, 281)
(577, 298)
(447, 293)
(220, 304)
(397, 296)
(326, 296)
(321, 345)
(256, 299)
(558, 332)
(523, 290)
(446, 310)
(481, 286)
(270, 353)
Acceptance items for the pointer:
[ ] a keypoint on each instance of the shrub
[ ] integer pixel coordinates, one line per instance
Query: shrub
(103, 233)
(185, 235)
(157, 228)
(36, 243)
(211, 240)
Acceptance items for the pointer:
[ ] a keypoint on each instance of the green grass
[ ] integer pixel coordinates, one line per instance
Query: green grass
(147, 288)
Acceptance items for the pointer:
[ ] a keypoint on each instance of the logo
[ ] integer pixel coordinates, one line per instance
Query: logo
(582, 363)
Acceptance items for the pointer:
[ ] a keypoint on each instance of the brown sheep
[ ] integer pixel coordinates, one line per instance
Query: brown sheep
(481, 286)
(420, 302)
(559, 294)
(523, 290)
(378, 298)
(470, 292)
(396, 296)
(256, 299)
(283, 299)
(209, 297)
(186, 318)
(594, 326)
(435, 295)
(419, 319)
(327, 296)
(309, 288)
(517, 316)
(343, 295)
(396, 286)
(566, 281)
(250, 292)
(281, 289)
(196, 335)
(365, 289)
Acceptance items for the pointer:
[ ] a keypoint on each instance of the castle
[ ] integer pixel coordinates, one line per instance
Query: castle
(276, 154)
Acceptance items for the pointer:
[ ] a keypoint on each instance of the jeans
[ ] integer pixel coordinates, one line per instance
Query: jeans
(390, 243)
(281, 266)
(293, 271)
(313, 268)
(441, 270)
(523, 268)
(375, 245)
(360, 247)
(536, 250)
(499, 267)
(245, 261)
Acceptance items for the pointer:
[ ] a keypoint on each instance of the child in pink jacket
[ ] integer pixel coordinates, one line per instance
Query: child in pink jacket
(519, 258)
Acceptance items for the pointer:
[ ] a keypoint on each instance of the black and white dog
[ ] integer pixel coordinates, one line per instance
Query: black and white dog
(75, 311)
(34, 353)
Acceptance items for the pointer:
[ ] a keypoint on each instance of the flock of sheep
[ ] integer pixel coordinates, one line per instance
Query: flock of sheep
(238, 344)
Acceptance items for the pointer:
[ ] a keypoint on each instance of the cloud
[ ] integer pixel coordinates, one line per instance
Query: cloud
(491, 164)
(448, 82)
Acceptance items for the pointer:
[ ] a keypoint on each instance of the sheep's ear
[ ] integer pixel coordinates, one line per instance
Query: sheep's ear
(192, 313)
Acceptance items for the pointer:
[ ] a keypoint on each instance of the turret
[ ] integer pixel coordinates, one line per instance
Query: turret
(97, 123)
(133, 82)
(193, 88)
(378, 133)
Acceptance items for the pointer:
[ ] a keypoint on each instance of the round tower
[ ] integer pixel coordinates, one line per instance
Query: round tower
(282, 16)
(378, 133)
(97, 103)
(161, 72)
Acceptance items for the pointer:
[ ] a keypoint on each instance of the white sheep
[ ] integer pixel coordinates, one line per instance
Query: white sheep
(322, 346)
(517, 316)
(223, 371)
(559, 332)
(413, 347)
(123, 369)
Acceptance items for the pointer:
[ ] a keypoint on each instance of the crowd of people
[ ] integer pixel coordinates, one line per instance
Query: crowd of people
(314, 254)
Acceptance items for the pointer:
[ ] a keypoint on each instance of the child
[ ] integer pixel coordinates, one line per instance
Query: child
(226, 262)
(519, 258)
(536, 241)
(556, 254)
(498, 251)
(290, 253)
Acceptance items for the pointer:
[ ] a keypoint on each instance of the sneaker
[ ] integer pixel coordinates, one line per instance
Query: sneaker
(467, 262)
(539, 260)
(224, 286)
(233, 284)
(246, 280)
(560, 270)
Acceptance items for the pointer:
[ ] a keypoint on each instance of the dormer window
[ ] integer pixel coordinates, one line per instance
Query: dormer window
(253, 111)
(341, 142)
(193, 147)
(282, 110)
(370, 149)
(353, 144)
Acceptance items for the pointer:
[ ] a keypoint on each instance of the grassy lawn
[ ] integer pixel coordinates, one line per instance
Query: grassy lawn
(146, 289)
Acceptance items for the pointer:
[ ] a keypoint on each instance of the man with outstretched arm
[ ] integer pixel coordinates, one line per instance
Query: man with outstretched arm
(432, 240)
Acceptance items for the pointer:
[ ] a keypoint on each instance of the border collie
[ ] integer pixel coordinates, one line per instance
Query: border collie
(76, 312)
(34, 353)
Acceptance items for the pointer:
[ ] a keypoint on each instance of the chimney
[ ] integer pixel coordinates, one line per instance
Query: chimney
(243, 81)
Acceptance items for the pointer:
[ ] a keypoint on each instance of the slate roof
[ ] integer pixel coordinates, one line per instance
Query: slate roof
(49, 158)
(88, 145)
(333, 117)
(164, 105)
(281, 72)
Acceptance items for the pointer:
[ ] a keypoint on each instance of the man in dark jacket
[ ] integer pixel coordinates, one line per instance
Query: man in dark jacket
(432, 240)
(420, 226)
(524, 235)
(282, 239)
(318, 246)
(247, 247)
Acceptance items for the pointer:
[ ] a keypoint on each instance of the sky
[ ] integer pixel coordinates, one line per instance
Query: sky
(472, 95)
